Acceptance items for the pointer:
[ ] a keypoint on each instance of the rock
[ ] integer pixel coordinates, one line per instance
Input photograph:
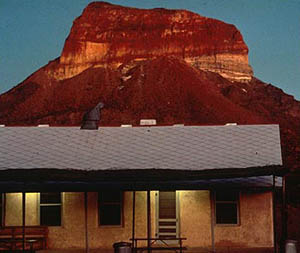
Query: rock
(109, 35)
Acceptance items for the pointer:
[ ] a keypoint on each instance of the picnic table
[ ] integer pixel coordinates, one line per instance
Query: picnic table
(35, 237)
(159, 243)
(14, 243)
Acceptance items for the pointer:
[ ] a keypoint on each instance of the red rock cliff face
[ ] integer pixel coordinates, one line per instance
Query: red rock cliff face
(108, 34)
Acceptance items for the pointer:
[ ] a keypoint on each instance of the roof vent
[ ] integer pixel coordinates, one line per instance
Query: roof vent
(91, 118)
(230, 124)
(148, 122)
(178, 125)
(43, 125)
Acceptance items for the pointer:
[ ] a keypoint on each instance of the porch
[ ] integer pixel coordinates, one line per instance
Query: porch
(250, 224)
(197, 163)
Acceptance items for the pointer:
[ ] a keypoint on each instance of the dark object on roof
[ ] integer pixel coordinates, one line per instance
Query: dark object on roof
(91, 119)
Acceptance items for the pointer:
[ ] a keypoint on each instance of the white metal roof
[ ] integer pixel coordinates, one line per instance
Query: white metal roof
(180, 148)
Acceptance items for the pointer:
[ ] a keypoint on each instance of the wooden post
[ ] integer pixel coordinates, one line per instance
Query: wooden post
(86, 222)
(274, 214)
(284, 215)
(133, 220)
(148, 221)
(212, 224)
(23, 219)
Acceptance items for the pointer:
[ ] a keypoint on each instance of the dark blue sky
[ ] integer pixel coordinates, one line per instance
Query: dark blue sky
(33, 32)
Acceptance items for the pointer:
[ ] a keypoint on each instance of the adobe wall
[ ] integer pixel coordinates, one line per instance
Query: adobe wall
(255, 230)
(256, 223)
(195, 218)
(72, 232)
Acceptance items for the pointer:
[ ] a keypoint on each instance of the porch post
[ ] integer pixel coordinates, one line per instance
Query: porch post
(133, 219)
(274, 215)
(212, 224)
(23, 219)
(284, 215)
(148, 221)
(86, 222)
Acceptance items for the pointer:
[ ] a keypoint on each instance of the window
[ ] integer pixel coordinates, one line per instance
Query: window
(50, 209)
(110, 208)
(227, 207)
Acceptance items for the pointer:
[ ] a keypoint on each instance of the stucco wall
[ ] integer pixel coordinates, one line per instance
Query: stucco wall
(255, 229)
(73, 228)
(256, 223)
(195, 218)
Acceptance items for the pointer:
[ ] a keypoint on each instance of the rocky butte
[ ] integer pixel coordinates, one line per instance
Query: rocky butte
(110, 35)
(172, 65)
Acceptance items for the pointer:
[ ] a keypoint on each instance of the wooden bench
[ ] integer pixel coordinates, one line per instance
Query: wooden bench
(11, 237)
(159, 244)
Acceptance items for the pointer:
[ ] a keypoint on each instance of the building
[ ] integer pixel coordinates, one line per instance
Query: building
(213, 185)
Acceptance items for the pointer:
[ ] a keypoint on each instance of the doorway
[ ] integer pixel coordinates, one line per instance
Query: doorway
(167, 214)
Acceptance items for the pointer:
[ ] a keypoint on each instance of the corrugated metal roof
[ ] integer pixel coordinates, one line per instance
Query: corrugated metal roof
(180, 148)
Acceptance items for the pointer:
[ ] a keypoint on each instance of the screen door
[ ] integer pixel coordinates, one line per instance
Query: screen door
(167, 214)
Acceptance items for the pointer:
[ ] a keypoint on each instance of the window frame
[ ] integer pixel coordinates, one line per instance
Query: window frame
(121, 203)
(238, 213)
(50, 204)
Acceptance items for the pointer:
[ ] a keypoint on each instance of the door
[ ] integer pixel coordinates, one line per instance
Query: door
(167, 214)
